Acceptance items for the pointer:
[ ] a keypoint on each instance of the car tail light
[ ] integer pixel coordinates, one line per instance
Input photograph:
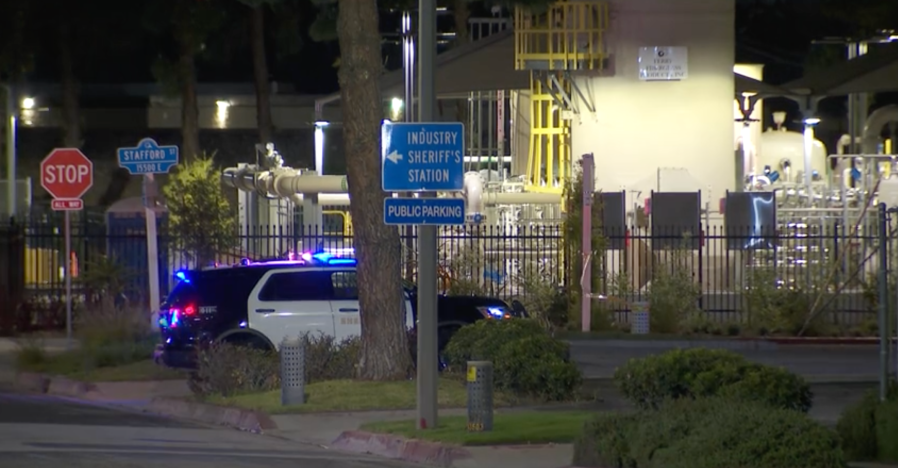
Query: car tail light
(177, 313)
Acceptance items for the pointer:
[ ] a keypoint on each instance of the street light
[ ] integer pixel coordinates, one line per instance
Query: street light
(28, 103)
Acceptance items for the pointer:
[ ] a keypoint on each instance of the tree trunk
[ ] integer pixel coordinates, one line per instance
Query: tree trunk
(460, 14)
(190, 125)
(260, 75)
(385, 353)
(71, 116)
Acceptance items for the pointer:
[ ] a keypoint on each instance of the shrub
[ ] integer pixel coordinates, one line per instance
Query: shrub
(887, 432)
(857, 426)
(535, 367)
(699, 372)
(527, 361)
(604, 441)
(709, 433)
(481, 340)
(113, 335)
(329, 359)
(722, 433)
(674, 292)
(225, 369)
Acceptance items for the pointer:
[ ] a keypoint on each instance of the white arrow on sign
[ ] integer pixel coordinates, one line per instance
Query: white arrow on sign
(394, 156)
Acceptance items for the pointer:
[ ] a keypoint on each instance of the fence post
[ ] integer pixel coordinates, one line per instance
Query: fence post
(293, 371)
(883, 301)
(12, 273)
(480, 396)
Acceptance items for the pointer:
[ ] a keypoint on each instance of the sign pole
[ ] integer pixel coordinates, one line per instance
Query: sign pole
(427, 240)
(146, 159)
(152, 247)
(68, 279)
(586, 218)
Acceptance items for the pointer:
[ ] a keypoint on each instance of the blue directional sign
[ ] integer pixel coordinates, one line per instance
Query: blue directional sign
(431, 211)
(423, 157)
(148, 157)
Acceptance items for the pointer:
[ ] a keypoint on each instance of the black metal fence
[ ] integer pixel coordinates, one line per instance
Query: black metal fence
(734, 270)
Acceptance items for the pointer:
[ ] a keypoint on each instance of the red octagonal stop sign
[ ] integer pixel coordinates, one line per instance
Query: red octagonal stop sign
(66, 173)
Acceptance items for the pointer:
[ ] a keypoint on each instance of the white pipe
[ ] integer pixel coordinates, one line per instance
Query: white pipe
(288, 183)
(285, 183)
(473, 190)
(844, 142)
(872, 129)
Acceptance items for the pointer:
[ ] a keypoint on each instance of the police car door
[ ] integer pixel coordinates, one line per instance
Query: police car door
(288, 303)
(345, 304)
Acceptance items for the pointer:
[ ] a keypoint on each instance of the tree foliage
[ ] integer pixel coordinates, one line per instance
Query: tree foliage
(200, 219)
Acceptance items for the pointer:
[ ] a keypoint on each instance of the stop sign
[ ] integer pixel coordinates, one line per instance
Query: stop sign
(66, 173)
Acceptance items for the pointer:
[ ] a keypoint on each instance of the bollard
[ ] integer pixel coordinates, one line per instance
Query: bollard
(639, 318)
(293, 371)
(480, 396)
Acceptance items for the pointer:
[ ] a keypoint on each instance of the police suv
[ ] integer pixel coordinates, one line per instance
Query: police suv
(258, 304)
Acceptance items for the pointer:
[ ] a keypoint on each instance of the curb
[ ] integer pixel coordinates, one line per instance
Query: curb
(244, 420)
(400, 448)
(32, 382)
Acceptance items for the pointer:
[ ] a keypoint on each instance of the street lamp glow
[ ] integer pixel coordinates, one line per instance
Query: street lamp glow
(222, 105)
(28, 103)
(811, 121)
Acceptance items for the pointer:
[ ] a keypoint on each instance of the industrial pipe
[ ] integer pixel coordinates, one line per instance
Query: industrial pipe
(473, 190)
(875, 121)
(291, 183)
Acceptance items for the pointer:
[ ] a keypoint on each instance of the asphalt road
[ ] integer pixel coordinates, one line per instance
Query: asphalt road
(44, 432)
(598, 359)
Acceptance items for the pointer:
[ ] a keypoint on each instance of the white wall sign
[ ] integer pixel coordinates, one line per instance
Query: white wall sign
(663, 63)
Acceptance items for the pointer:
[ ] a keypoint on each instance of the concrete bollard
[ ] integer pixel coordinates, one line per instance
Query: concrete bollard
(480, 396)
(293, 371)
(639, 318)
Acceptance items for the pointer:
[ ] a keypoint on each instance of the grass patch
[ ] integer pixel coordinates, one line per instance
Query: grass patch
(76, 365)
(135, 372)
(514, 428)
(354, 395)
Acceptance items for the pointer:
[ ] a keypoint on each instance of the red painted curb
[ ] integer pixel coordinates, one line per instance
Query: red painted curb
(400, 448)
(246, 420)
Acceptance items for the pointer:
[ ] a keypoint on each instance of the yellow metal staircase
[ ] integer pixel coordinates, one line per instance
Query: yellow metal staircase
(555, 45)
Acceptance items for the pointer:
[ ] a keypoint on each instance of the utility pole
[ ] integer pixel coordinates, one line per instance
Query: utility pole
(427, 235)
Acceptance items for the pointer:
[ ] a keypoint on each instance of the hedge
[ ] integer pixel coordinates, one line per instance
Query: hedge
(699, 372)
(714, 432)
(527, 361)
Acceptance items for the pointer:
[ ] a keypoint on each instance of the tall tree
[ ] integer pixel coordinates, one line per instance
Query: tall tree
(186, 24)
(385, 354)
(261, 79)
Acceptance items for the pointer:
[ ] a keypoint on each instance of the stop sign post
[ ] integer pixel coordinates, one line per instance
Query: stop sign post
(67, 174)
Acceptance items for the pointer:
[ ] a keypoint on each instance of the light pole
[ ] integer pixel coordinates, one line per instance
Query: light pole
(11, 116)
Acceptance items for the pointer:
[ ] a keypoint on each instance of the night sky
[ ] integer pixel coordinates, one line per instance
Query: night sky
(118, 43)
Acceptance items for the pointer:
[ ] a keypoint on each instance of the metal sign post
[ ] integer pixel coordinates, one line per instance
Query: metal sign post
(588, 165)
(67, 227)
(67, 174)
(146, 159)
